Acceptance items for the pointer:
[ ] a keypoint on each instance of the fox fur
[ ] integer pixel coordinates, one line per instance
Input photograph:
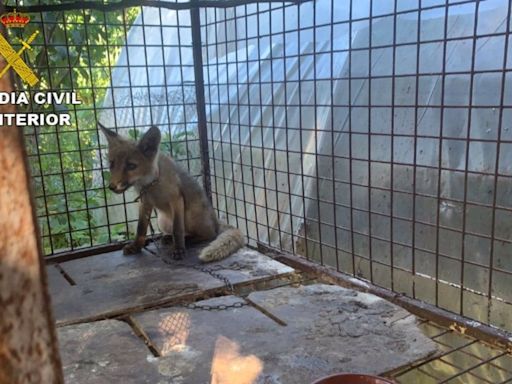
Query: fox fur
(182, 206)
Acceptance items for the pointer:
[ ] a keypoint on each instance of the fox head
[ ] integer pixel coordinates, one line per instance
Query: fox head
(132, 163)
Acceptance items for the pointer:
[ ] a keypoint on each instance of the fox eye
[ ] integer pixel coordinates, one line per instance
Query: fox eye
(130, 166)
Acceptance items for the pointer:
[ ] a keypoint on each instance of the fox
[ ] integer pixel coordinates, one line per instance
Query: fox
(182, 206)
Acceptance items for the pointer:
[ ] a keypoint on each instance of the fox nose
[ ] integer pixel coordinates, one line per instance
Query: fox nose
(118, 188)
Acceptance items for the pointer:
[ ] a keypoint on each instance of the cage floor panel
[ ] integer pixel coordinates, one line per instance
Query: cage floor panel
(105, 352)
(110, 284)
(283, 335)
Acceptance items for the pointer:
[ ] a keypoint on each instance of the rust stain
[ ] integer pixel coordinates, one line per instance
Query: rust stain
(28, 347)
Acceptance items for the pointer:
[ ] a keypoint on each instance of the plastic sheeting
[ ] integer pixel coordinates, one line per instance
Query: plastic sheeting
(152, 82)
(143, 90)
(290, 88)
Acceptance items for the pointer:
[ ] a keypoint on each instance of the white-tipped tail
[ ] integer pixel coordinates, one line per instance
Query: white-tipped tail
(228, 241)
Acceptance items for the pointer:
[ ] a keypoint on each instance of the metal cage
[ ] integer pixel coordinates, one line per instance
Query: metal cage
(369, 136)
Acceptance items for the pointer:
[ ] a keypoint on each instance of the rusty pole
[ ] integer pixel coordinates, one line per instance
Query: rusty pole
(28, 345)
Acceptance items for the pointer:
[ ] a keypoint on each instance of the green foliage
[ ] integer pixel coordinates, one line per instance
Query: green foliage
(73, 51)
(76, 50)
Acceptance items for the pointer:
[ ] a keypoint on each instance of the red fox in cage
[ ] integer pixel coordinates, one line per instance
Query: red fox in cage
(182, 206)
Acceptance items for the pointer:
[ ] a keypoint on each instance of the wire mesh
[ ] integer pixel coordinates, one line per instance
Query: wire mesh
(373, 137)
(460, 360)
(131, 69)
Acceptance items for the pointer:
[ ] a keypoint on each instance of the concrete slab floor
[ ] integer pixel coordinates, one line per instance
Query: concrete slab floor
(288, 335)
(105, 352)
(110, 284)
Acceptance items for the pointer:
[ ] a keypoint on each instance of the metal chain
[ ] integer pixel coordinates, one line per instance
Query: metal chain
(212, 271)
(144, 190)
(227, 283)
(218, 307)
(215, 275)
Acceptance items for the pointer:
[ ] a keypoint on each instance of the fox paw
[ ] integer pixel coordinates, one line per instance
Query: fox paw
(178, 254)
(131, 248)
(167, 240)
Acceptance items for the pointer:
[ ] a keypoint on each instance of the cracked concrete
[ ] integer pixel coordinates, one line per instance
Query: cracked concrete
(279, 336)
(110, 284)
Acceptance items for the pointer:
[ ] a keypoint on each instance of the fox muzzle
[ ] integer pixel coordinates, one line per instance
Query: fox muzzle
(118, 188)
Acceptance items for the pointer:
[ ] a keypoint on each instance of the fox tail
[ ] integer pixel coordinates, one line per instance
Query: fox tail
(228, 241)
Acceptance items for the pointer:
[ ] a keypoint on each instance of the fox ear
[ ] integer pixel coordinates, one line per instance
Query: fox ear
(150, 142)
(109, 134)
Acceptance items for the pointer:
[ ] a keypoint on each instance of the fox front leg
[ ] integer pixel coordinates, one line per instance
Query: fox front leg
(142, 227)
(179, 229)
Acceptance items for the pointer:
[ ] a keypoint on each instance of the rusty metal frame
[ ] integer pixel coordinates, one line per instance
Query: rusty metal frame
(28, 343)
